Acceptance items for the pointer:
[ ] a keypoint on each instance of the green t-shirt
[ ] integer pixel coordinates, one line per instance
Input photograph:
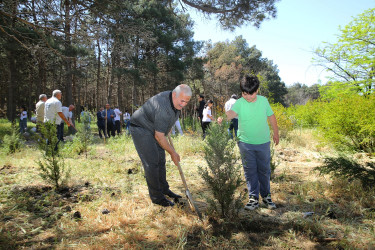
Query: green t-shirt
(252, 120)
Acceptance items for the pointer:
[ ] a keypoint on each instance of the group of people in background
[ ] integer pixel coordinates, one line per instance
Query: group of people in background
(51, 110)
(206, 117)
(109, 121)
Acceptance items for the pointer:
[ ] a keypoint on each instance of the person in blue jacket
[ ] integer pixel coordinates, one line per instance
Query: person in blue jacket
(109, 116)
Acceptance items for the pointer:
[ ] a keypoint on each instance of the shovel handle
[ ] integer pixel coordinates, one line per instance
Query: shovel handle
(178, 165)
(187, 192)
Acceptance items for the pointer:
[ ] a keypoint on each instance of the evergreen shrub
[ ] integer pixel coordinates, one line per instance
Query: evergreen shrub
(52, 167)
(223, 174)
(349, 169)
(13, 142)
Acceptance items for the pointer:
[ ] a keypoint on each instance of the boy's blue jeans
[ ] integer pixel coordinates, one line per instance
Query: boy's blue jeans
(256, 163)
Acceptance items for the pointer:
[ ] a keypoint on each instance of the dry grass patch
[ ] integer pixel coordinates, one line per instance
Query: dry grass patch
(116, 211)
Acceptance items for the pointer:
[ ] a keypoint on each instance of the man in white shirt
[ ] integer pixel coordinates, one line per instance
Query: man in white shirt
(53, 112)
(118, 114)
(234, 122)
(39, 110)
(68, 115)
(127, 120)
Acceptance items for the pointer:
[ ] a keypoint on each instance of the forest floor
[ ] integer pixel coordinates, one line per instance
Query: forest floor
(106, 205)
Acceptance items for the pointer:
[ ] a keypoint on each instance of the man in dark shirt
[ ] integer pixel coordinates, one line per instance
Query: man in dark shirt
(200, 109)
(109, 116)
(100, 122)
(149, 127)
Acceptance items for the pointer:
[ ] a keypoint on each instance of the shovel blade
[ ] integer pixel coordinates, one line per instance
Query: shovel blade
(192, 204)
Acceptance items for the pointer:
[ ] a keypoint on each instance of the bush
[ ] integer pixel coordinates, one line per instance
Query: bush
(52, 166)
(284, 122)
(13, 142)
(306, 116)
(349, 122)
(346, 168)
(222, 175)
(84, 136)
(190, 123)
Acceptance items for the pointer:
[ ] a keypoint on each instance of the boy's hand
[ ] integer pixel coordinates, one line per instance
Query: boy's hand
(276, 138)
(219, 120)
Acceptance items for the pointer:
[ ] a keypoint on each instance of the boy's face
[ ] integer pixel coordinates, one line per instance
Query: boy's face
(250, 97)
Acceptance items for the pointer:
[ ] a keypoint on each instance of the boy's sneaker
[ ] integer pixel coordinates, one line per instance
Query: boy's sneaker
(268, 201)
(252, 204)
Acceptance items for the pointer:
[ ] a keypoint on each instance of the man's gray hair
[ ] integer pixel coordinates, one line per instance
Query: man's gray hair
(42, 96)
(184, 89)
(55, 92)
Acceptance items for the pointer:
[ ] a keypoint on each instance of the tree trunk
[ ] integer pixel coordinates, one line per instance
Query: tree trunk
(98, 75)
(11, 107)
(68, 98)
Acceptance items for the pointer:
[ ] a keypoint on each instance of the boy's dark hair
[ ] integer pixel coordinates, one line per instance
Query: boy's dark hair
(249, 84)
(201, 96)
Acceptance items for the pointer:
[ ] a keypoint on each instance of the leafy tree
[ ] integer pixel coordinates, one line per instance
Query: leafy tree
(348, 123)
(300, 94)
(351, 58)
(228, 61)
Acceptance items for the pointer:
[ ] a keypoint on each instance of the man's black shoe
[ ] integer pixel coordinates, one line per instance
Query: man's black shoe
(173, 195)
(165, 203)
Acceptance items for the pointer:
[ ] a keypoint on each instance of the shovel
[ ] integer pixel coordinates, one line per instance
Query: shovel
(187, 192)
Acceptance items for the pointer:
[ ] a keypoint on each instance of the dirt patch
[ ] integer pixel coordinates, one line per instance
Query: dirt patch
(8, 169)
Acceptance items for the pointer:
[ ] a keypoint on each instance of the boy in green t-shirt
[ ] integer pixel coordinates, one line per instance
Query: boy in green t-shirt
(253, 111)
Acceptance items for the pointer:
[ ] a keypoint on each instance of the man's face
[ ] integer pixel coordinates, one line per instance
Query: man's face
(250, 97)
(101, 109)
(58, 96)
(107, 106)
(44, 99)
(200, 99)
(71, 108)
(180, 101)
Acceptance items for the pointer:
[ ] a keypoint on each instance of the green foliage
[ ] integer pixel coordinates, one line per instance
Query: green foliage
(349, 122)
(190, 124)
(332, 90)
(222, 174)
(349, 169)
(284, 122)
(84, 136)
(51, 166)
(5, 128)
(306, 116)
(351, 58)
(299, 94)
(13, 142)
(228, 61)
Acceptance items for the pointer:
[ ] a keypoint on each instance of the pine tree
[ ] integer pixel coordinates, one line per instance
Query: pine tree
(52, 166)
(223, 174)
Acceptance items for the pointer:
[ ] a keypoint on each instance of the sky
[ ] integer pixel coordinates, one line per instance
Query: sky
(289, 40)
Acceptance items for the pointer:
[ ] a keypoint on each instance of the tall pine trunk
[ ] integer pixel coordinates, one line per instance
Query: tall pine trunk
(68, 98)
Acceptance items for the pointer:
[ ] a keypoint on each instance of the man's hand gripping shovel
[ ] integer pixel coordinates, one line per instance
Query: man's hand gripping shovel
(187, 192)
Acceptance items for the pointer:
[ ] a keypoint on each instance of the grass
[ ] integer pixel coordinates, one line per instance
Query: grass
(34, 216)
